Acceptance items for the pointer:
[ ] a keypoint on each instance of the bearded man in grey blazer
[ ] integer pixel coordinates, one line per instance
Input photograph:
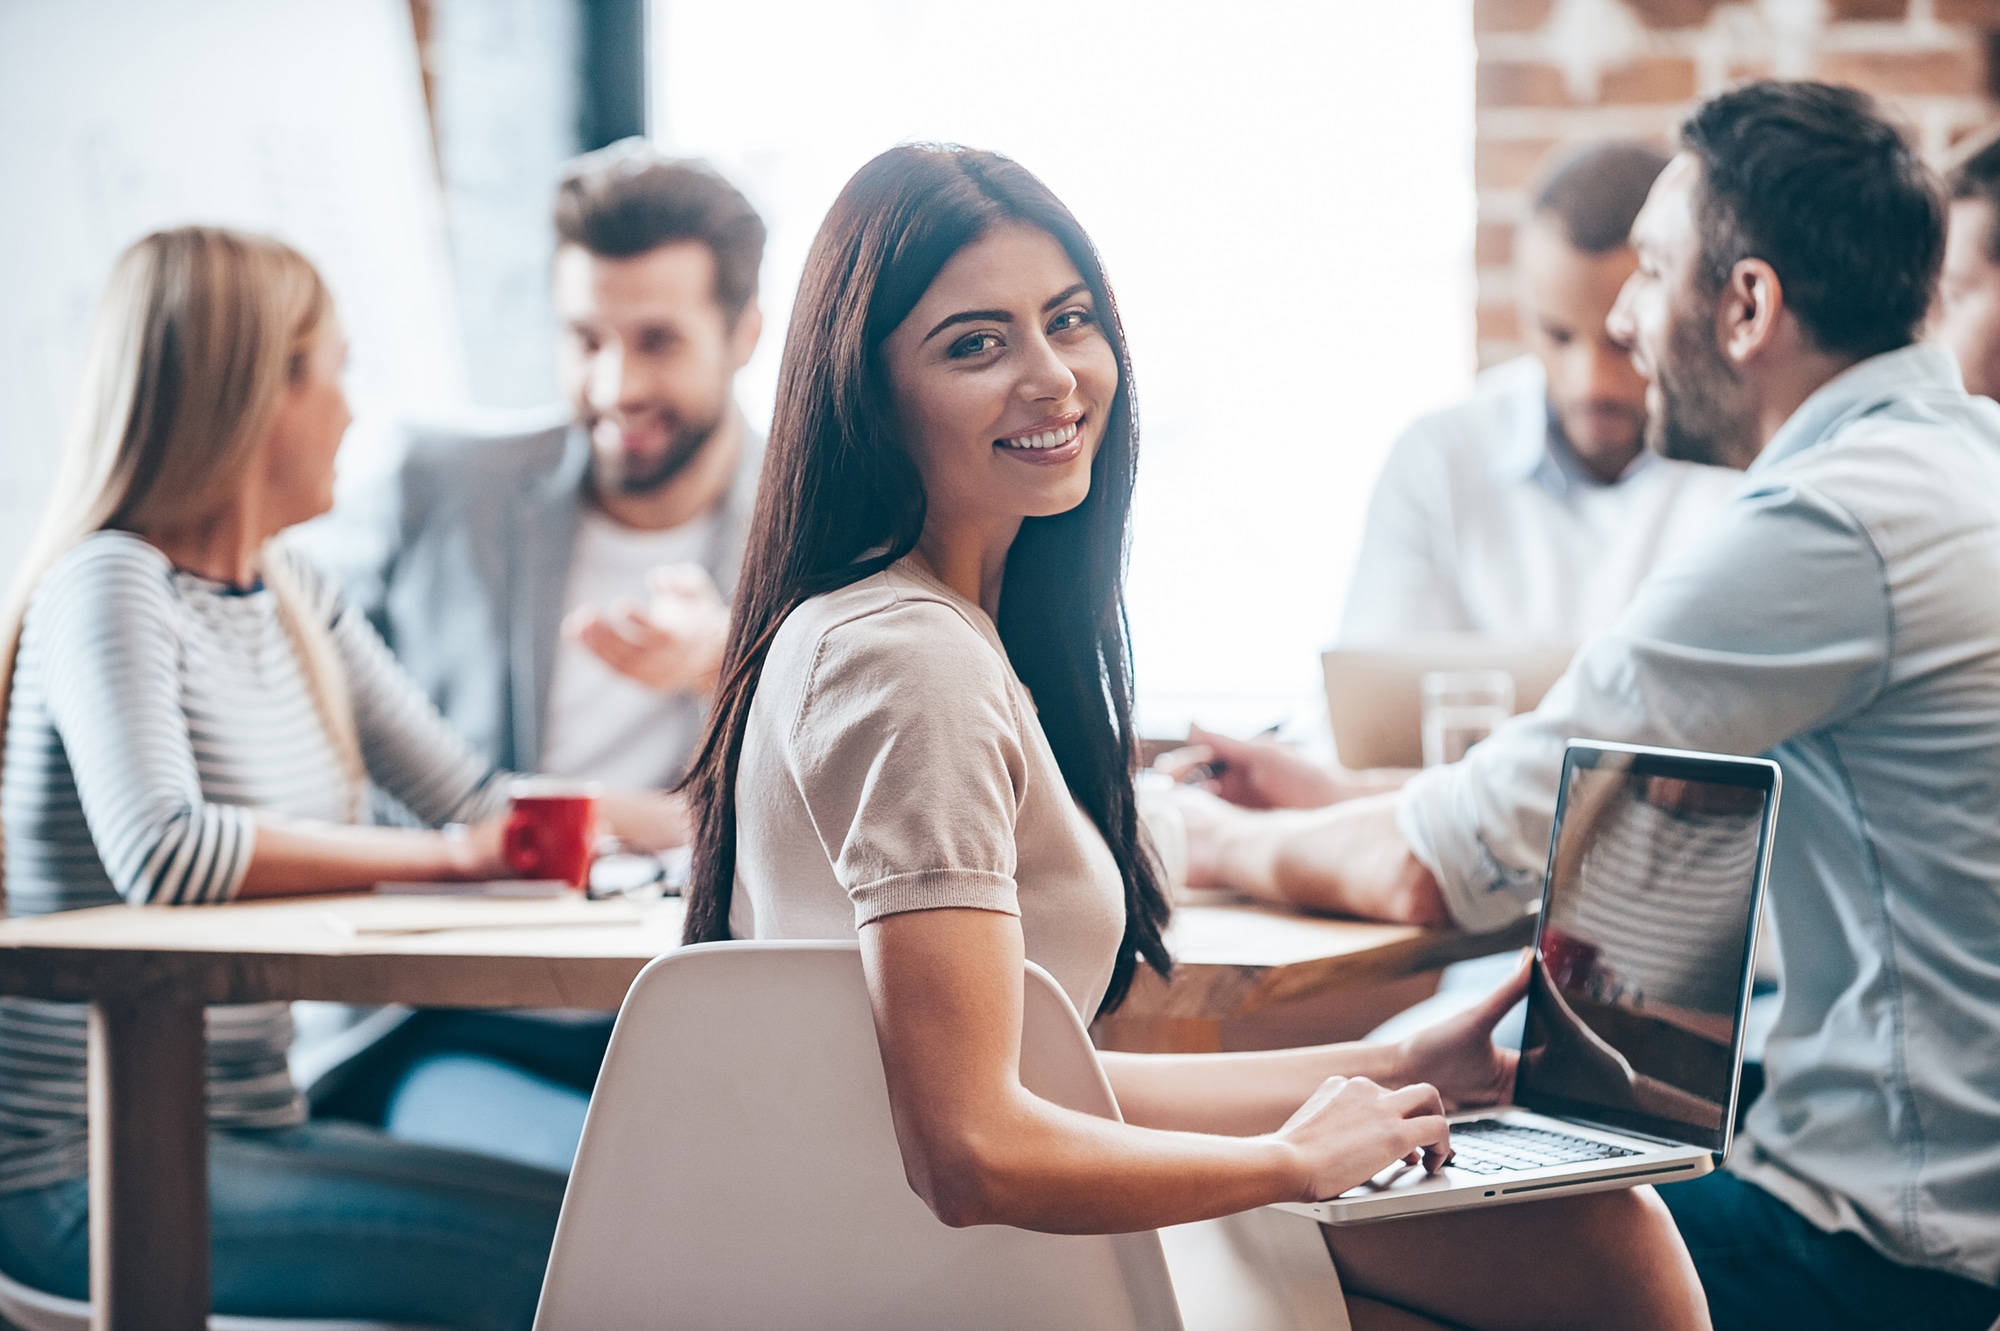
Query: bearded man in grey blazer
(558, 587)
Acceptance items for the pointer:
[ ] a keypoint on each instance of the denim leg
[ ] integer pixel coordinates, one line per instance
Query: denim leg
(1766, 1268)
(45, 1238)
(335, 1220)
(471, 1103)
(563, 1047)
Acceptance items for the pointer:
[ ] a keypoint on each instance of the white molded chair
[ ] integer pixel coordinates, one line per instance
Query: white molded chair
(31, 1310)
(739, 1168)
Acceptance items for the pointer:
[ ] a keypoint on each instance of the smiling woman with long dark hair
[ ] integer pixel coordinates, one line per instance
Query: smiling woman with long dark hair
(845, 499)
(923, 738)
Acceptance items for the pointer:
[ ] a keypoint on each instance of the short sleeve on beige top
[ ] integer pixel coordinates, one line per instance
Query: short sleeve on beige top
(892, 762)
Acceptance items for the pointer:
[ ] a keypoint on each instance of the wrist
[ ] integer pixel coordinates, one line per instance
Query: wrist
(1246, 851)
(1290, 1176)
(1402, 1063)
(1327, 785)
(457, 856)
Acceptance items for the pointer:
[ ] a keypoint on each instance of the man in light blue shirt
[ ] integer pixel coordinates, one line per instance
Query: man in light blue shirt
(1842, 617)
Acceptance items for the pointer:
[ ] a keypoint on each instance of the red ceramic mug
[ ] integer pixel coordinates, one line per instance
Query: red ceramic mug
(552, 831)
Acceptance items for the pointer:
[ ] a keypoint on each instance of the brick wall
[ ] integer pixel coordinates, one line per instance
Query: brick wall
(1555, 73)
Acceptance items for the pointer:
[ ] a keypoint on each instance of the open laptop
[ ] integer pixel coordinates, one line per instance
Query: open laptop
(1634, 1040)
(1374, 696)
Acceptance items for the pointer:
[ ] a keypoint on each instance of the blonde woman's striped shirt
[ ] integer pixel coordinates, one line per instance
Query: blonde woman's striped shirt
(153, 711)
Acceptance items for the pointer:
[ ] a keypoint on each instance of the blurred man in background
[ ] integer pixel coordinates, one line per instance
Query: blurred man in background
(1967, 319)
(558, 591)
(1530, 512)
(1533, 510)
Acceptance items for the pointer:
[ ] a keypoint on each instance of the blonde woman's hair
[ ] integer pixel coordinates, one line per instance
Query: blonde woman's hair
(200, 332)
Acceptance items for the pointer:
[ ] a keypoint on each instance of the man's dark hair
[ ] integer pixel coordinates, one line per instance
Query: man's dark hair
(629, 197)
(1594, 194)
(1813, 180)
(1976, 175)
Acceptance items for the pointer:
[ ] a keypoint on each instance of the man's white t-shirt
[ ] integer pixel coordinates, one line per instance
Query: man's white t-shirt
(1483, 523)
(602, 725)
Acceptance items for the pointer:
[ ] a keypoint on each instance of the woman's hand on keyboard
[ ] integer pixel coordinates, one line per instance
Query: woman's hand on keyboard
(1352, 1129)
(1458, 1056)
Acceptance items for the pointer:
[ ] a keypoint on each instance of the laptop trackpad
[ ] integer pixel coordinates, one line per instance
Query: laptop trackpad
(1399, 1177)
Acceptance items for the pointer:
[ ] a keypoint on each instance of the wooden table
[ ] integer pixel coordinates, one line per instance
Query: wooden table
(148, 971)
(1235, 960)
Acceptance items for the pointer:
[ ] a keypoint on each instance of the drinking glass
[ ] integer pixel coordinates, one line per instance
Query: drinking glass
(1462, 707)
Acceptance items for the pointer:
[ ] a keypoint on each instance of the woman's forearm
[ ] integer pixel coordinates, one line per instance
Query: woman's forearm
(980, 1148)
(1237, 1094)
(294, 856)
(1038, 1166)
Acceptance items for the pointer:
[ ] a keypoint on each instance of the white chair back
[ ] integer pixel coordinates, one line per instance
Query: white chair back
(739, 1168)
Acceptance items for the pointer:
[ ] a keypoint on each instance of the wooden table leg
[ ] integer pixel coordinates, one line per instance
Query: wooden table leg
(148, 1166)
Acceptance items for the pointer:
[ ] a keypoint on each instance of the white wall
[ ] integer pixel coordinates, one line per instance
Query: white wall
(1282, 191)
(506, 75)
(302, 120)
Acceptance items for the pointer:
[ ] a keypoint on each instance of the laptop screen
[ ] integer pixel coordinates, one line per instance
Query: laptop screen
(1643, 952)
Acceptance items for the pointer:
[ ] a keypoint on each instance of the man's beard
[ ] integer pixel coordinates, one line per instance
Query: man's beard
(615, 474)
(1699, 418)
(1584, 420)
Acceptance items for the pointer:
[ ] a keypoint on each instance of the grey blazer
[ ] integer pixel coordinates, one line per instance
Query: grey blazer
(460, 556)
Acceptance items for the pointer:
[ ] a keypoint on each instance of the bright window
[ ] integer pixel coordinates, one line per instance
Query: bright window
(1283, 196)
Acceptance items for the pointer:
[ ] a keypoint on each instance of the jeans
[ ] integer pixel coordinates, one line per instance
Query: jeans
(332, 1219)
(511, 1084)
(1767, 1268)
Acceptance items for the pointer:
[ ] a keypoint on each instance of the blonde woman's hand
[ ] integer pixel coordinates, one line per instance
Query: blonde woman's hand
(477, 851)
(1351, 1129)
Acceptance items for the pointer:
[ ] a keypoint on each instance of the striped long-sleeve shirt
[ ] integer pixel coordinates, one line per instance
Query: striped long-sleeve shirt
(153, 712)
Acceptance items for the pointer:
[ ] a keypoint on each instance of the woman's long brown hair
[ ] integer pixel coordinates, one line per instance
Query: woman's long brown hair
(840, 499)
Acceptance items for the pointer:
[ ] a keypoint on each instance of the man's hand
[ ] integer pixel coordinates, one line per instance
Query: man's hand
(1251, 773)
(1264, 774)
(673, 643)
(1458, 1056)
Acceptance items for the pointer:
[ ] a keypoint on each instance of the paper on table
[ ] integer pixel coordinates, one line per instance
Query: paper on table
(495, 887)
(448, 916)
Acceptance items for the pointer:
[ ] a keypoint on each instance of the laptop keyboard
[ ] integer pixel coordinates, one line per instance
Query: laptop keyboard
(1488, 1146)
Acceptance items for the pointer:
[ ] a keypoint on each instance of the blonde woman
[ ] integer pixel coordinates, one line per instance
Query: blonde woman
(190, 716)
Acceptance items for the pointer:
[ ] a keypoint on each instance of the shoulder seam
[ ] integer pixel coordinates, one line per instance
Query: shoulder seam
(897, 598)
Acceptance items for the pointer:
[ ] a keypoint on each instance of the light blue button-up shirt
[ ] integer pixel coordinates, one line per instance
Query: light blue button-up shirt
(1843, 618)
